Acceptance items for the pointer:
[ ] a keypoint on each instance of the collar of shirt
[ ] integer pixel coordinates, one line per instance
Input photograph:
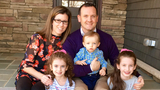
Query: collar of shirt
(59, 86)
(56, 37)
(82, 33)
(91, 52)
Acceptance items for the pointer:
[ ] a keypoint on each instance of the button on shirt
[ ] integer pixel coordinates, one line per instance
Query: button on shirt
(84, 54)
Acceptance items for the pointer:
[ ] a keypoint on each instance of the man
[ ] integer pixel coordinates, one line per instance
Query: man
(88, 17)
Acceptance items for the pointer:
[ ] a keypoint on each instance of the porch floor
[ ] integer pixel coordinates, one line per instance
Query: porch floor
(9, 63)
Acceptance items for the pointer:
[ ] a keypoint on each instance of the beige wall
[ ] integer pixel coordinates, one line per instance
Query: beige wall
(19, 19)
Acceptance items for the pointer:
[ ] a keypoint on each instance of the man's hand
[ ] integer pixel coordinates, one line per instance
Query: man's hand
(83, 62)
(95, 65)
(139, 85)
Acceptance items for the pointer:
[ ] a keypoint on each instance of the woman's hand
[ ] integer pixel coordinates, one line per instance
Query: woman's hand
(139, 85)
(46, 80)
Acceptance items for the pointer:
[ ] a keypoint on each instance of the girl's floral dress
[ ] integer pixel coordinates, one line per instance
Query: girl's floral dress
(37, 52)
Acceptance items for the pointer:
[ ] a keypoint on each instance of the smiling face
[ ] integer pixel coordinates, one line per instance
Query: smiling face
(59, 28)
(91, 43)
(59, 67)
(88, 18)
(126, 67)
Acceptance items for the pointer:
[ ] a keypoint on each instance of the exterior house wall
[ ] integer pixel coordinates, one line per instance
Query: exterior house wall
(113, 19)
(143, 21)
(19, 19)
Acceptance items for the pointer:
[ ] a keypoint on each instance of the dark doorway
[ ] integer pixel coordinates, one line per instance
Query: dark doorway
(73, 6)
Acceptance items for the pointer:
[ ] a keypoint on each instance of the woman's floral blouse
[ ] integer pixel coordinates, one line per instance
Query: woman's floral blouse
(37, 52)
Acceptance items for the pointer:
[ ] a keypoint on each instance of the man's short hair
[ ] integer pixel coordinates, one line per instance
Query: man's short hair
(87, 5)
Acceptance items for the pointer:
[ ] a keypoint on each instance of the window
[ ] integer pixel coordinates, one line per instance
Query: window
(68, 3)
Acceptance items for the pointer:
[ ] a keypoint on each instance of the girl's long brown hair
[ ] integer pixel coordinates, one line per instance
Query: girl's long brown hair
(46, 32)
(115, 78)
(67, 59)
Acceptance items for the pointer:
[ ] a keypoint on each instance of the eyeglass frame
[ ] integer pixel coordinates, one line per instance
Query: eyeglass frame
(59, 21)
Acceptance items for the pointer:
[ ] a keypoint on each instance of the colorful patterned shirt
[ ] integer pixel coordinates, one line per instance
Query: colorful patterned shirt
(84, 54)
(37, 52)
(56, 86)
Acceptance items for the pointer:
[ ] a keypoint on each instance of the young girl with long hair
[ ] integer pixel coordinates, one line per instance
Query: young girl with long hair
(60, 70)
(123, 76)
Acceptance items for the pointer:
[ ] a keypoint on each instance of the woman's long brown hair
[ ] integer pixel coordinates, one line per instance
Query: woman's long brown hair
(46, 32)
(115, 78)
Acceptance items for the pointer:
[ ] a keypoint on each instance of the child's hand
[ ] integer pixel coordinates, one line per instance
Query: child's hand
(83, 62)
(102, 72)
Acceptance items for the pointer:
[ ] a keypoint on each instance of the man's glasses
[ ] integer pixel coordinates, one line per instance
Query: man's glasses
(59, 21)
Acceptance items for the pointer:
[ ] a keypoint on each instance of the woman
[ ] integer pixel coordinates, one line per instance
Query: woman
(30, 72)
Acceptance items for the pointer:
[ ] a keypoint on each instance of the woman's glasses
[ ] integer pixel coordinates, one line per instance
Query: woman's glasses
(59, 21)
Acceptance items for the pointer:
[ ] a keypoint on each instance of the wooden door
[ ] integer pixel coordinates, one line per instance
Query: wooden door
(73, 6)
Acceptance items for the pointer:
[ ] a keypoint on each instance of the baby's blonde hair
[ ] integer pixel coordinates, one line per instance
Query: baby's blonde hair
(91, 34)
